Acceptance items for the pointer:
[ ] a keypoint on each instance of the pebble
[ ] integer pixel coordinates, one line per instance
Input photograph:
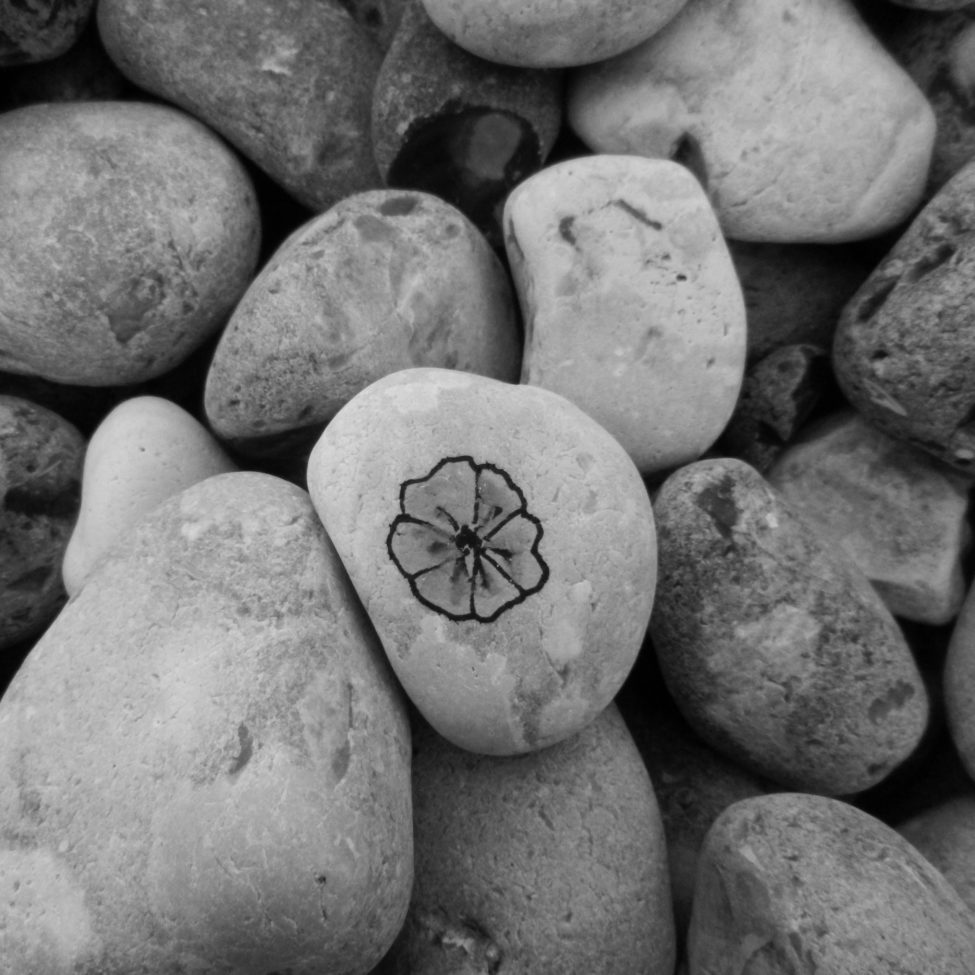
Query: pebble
(895, 511)
(503, 545)
(549, 33)
(958, 683)
(455, 125)
(803, 883)
(145, 451)
(384, 280)
(40, 476)
(289, 85)
(38, 31)
(205, 761)
(774, 645)
(127, 233)
(836, 151)
(525, 865)
(904, 349)
(631, 305)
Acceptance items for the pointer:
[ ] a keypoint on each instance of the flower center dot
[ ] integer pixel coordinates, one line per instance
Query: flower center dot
(466, 539)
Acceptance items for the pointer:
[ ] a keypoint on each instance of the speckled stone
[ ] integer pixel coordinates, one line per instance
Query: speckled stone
(39, 30)
(904, 349)
(631, 304)
(549, 33)
(453, 124)
(40, 478)
(503, 545)
(775, 647)
(793, 147)
(145, 451)
(896, 512)
(288, 84)
(384, 280)
(549, 862)
(205, 761)
(802, 883)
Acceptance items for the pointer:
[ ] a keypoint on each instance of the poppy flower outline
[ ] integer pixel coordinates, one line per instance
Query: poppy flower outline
(465, 541)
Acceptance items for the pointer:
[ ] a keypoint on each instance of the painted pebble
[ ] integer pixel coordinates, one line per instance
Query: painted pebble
(128, 231)
(205, 761)
(383, 281)
(40, 480)
(896, 512)
(549, 33)
(792, 146)
(145, 451)
(904, 349)
(631, 304)
(549, 862)
(775, 646)
(287, 84)
(801, 883)
(503, 545)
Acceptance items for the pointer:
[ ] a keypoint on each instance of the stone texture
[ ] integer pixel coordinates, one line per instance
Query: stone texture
(288, 84)
(792, 146)
(40, 477)
(40, 29)
(800, 883)
(895, 511)
(384, 280)
(958, 684)
(631, 304)
(503, 545)
(904, 349)
(145, 451)
(775, 647)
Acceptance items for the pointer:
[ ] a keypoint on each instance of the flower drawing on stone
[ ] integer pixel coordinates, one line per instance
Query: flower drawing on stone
(465, 541)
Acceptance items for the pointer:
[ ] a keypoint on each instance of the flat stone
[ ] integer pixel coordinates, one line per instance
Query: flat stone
(631, 304)
(836, 150)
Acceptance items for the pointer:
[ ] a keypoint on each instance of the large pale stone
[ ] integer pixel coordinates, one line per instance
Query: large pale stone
(801, 126)
(631, 303)
(893, 509)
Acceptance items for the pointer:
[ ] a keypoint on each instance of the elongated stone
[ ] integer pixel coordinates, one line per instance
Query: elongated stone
(631, 304)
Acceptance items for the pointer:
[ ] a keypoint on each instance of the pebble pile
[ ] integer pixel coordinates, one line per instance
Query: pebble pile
(484, 487)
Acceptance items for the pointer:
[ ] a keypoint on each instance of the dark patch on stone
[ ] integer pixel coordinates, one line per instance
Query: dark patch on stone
(638, 214)
(718, 501)
(398, 206)
(895, 698)
(565, 230)
(872, 302)
(246, 749)
(929, 262)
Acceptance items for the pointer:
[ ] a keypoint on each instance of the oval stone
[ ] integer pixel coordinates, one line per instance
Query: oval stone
(503, 545)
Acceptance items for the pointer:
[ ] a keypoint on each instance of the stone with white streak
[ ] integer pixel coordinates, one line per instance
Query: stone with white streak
(631, 303)
(803, 127)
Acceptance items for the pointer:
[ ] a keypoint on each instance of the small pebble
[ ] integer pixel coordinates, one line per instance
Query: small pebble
(145, 451)
(894, 510)
(39, 30)
(631, 305)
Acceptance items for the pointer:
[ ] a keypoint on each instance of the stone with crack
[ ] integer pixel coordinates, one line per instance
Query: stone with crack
(800, 125)
(904, 348)
(631, 304)
(503, 545)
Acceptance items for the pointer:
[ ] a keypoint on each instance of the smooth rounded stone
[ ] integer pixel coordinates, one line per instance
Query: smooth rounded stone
(937, 50)
(549, 33)
(128, 231)
(945, 835)
(794, 293)
(145, 451)
(774, 645)
(793, 147)
(549, 862)
(452, 124)
(802, 883)
(205, 761)
(384, 280)
(958, 683)
(40, 475)
(777, 397)
(631, 304)
(503, 545)
(693, 784)
(904, 349)
(39, 30)
(288, 84)
(897, 513)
